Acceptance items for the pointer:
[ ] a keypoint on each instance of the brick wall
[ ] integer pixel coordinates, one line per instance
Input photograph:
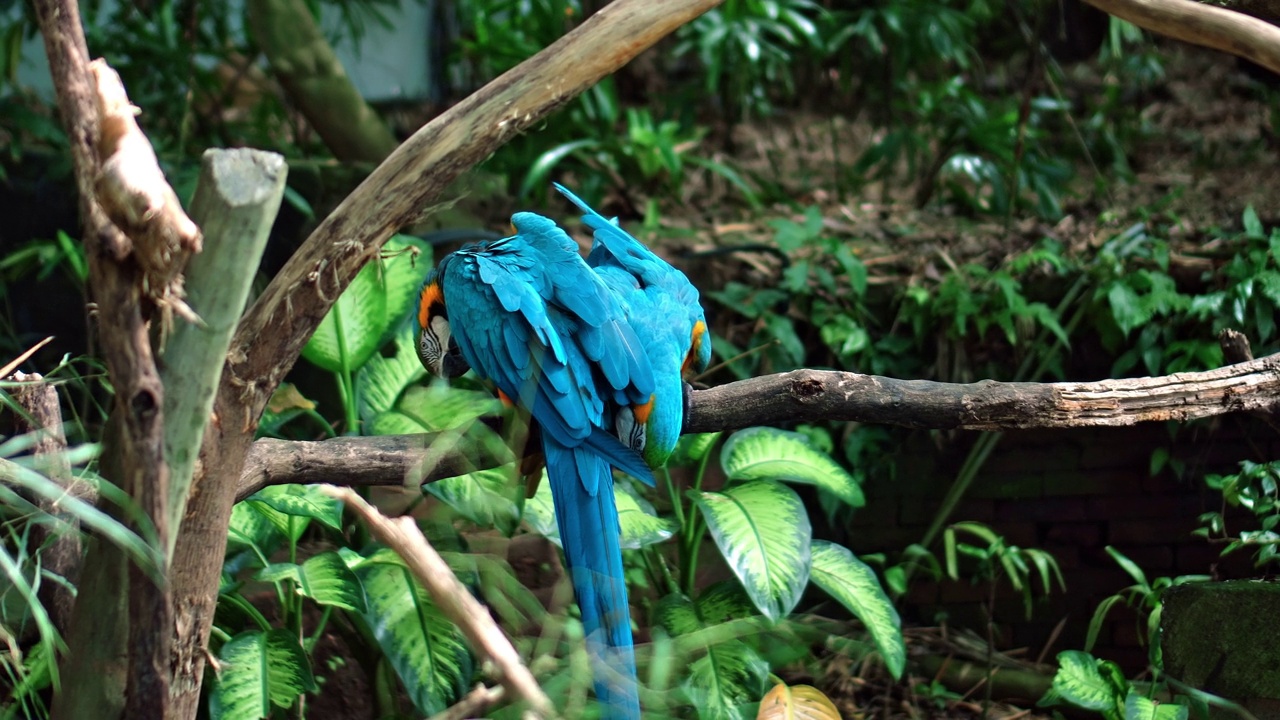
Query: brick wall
(1071, 493)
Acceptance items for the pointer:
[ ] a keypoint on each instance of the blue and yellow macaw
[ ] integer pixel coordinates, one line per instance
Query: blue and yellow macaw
(662, 307)
(528, 314)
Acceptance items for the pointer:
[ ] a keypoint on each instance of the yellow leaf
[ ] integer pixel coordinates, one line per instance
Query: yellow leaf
(799, 702)
(287, 397)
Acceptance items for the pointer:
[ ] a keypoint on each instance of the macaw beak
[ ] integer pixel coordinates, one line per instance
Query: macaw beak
(439, 351)
(452, 364)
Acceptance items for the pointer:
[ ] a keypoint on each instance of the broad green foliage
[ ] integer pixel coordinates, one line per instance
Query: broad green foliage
(299, 502)
(641, 526)
(763, 531)
(368, 313)
(376, 300)
(853, 584)
(1256, 488)
(724, 676)
(765, 453)
(1100, 686)
(426, 650)
(486, 498)
(257, 670)
(324, 578)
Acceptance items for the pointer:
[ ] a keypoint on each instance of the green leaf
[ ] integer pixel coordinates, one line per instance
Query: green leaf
(425, 648)
(354, 326)
(306, 501)
(536, 177)
(763, 531)
(540, 513)
(439, 407)
(1079, 682)
(485, 497)
(727, 676)
(1139, 707)
(404, 262)
(691, 449)
(725, 682)
(1126, 307)
(764, 453)
(640, 524)
(383, 379)
(259, 669)
(255, 525)
(854, 584)
(1252, 225)
(324, 578)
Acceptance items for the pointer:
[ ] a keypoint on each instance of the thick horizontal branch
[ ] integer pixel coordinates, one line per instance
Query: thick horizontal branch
(811, 395)
(407, 460)
(808, 396)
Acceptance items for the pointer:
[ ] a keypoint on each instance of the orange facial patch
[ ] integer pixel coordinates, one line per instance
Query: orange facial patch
(430, 296)
(695, 342)
(642, 412)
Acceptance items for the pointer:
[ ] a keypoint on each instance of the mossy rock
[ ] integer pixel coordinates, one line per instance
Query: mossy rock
(1222, 637)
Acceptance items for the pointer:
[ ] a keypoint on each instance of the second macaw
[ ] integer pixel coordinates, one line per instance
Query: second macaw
(529, 315)
(662, 307)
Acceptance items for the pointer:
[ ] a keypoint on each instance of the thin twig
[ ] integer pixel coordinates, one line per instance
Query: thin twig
(403, 535)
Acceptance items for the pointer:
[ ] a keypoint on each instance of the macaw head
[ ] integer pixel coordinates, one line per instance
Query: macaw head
(437, 348)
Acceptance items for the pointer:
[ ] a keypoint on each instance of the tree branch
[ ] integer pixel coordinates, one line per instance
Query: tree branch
(812, 395)
(405, 460)
(808, 395)
(1202, 24)
(136, 451)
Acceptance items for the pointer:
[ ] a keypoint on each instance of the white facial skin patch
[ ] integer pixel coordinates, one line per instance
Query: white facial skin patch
(631, 433)
(432, 343)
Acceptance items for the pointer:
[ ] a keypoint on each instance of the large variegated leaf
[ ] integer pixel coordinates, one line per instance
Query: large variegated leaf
(405, 260)
(1079, 682)
(383, 379)
(724, 678)
(351, 331)
(255, 525)
(485, 497)
(763, 531)
(1140, 707)
(725, 681)
(720, 603)
(854, 584)
(640, 523)
(425, 649)
(377, 299)
(691, 449)
(324, 578)
(439, 407)
(796, 702)
(259, 669)
(302, 501)
(764, 453)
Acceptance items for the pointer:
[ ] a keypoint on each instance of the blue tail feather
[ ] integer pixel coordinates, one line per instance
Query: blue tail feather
(593, 552)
